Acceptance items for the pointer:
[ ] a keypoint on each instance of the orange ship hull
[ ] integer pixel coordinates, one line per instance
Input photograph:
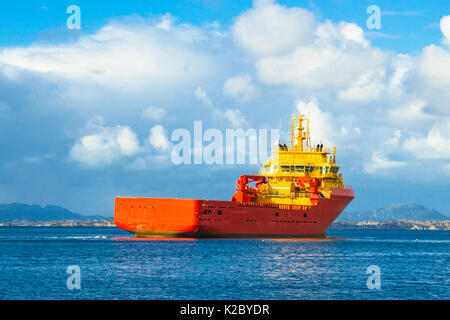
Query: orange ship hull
(152, 217)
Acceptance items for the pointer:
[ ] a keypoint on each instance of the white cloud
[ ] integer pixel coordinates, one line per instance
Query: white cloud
(435, 145)
(236, 118)
(366, 88)
(394, 141)
(321, 123)
(292, 48)
(445, 29)
(240, 88)
(158, 138)
(380, 162)
(201, 95)
(434, 69)
(327, 64)
(410, 115)
(123, 55)
(402, 65)
(105, 146)
(352, 32)
(166, 22)
(153, 113)
(270, 29)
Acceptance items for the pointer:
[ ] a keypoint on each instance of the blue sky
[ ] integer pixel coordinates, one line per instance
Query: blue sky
(408, 25)
(87, 114)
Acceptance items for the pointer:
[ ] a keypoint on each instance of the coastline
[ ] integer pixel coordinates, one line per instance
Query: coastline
(386, 225)
(393, 225)
(60, 223)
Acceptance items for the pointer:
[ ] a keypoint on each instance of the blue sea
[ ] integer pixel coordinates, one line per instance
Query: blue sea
(113, 265)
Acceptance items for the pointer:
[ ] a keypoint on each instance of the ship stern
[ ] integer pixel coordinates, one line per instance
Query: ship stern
(157, 217)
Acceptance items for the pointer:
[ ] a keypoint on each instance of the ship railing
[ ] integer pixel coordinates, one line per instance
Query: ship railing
(275, 205)
(347, 186)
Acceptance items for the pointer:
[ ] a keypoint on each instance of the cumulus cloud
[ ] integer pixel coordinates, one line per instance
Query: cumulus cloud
(122, 55)
(445, 29)
(241, 88)
(105, 146)
(435, 145)
(380, 162)
(321, 122)
(158, 138)
(235, 118)
(330, 62)
(292, 48)
(411, 114)
(201, 95)
(269, 29)
(433, 77)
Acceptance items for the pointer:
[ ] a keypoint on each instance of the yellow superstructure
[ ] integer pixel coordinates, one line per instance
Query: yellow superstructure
(290, 171)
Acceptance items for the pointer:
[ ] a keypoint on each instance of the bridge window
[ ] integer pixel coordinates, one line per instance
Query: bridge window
(219, 212)
(276, 214)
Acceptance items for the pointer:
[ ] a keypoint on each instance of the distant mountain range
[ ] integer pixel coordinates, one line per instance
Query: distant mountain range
(20, 211)
(408, 211)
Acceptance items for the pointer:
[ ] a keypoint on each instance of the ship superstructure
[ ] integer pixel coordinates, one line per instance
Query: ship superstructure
(298, 174)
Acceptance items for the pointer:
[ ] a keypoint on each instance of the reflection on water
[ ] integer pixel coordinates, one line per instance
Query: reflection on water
(152, 239)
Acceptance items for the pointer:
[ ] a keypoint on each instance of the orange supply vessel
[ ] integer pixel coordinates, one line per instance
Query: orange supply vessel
(298, 193)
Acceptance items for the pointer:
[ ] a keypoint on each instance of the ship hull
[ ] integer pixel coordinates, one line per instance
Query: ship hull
(157, 217)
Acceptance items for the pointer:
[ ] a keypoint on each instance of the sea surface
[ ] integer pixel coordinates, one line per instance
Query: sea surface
(113, 265)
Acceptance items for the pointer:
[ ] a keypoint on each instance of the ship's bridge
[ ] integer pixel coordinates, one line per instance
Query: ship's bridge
(291, 170)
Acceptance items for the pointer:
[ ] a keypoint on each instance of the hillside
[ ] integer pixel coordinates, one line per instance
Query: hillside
(409, 211)
(20, 211)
